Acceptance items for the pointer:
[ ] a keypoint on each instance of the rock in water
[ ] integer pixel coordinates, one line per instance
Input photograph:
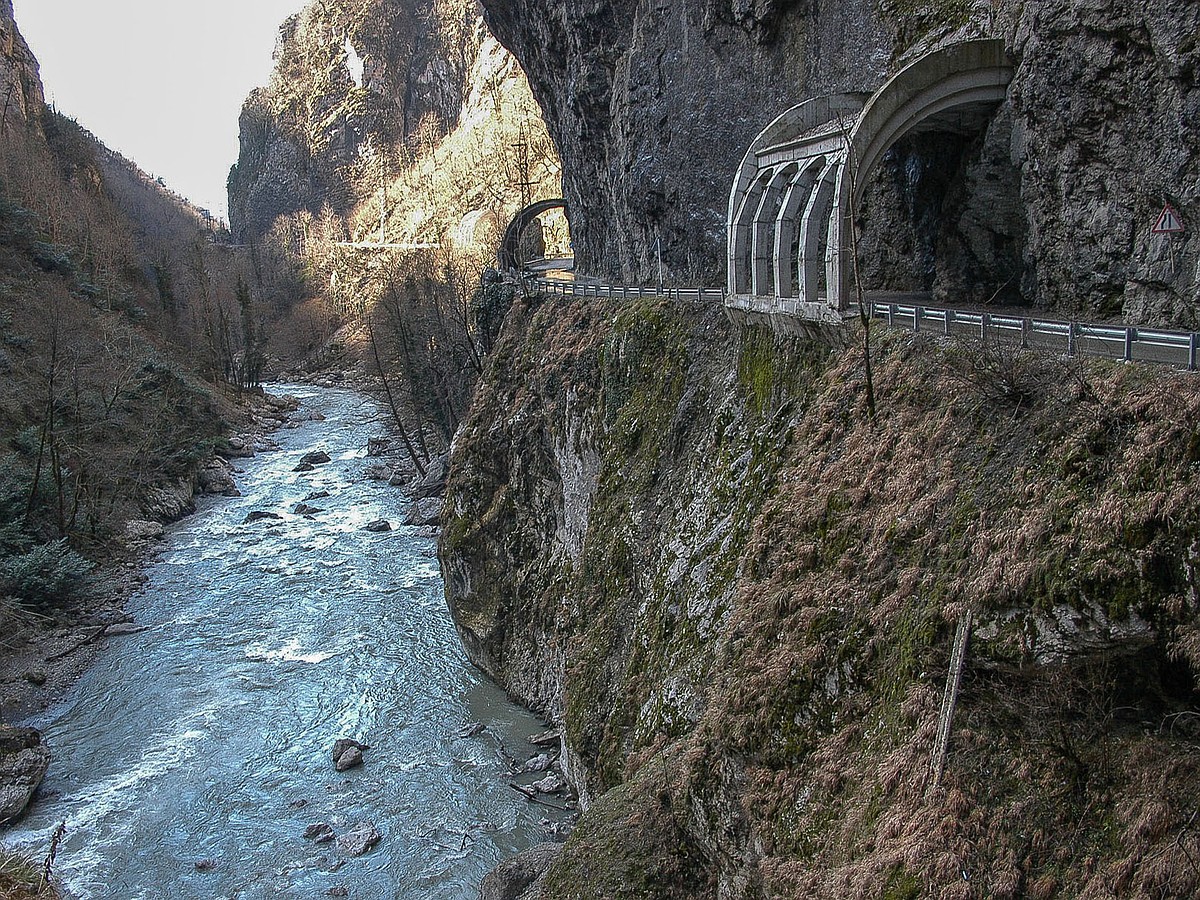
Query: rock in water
(545, 739)
(348, 760)
(551, 784)
(319, 833)
(347, 753)
(512, 879)
(315, 458)
(539, 763)
(303, 509)
(258, 515)
(471, 729)
(359, 839)
(379, 526)
(424, 512)
(434, 482)
(23, 763)
(216, 477)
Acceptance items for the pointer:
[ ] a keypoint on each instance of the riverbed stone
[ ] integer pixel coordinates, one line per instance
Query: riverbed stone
(343, 746)
(348, 760)
(216, 477)
(520, 877)
(359, 839)
(319, 833)
(551, 784)
(24, 760)
(426, 511)
(259, 515)
(379, 526)
(303, 509)
(315, 458)
(539, 763)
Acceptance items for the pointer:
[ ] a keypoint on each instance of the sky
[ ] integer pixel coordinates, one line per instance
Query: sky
(160, 81)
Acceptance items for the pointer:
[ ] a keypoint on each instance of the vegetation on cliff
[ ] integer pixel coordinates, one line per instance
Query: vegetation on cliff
(747, 637)
(373, 202)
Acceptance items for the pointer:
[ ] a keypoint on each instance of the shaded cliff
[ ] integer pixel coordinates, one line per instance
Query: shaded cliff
(652, 105)
(688, 544)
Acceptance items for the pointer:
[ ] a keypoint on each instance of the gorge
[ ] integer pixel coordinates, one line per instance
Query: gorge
(819, 612)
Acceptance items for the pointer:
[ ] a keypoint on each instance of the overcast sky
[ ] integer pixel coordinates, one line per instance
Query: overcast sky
(159, 81)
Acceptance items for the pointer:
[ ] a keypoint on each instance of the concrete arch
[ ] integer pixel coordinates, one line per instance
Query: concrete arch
(829, 146)
(508, 255)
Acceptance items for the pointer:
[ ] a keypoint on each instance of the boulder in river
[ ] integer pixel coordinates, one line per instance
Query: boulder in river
(303, 509)
(23, 763)
(433, 484)
(545, 739)
(359, 839)
(347, 753)
(348, 760)
(426, 511)
(471, 729)
(379, 526)
(521, 876)
(316, 495)
(319, 833)
(539, 763)
(378, 446)
(216, 477)
(259, 515)
(315, 458)
(305, 467)
(551, 784)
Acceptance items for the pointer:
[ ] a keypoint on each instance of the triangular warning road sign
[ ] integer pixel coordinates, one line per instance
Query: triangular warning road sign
(1168, 222)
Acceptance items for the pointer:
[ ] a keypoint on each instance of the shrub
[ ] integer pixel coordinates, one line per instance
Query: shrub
(47, 573)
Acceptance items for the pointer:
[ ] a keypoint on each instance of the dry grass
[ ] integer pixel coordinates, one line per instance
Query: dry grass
(21, 879)
(808, 772)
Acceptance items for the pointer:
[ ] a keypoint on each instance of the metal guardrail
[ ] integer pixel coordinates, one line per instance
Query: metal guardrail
(595, 289)
(1122, 342)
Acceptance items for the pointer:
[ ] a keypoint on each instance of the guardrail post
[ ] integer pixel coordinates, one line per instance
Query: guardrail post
(918, 312)
(985, 322)
(1192, 342)
(891, 314)
(1130, 336)
(1026, 330)
(1071, 339)
(947, 318)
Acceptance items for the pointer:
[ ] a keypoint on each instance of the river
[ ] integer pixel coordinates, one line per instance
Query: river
(208, 736)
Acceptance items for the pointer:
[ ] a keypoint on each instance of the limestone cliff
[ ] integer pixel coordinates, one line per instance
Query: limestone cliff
(652, 104)
(20, 83)
(689, 544)
(364, 93)
(301, 136)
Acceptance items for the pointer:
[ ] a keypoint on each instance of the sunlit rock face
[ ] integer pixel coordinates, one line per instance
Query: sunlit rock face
(20, 85)
(1051, 203)
(350, 80)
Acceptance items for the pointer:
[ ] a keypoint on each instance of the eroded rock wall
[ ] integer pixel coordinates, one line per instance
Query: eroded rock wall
(688, 543)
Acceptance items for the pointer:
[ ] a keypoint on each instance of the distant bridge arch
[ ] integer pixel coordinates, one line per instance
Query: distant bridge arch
(509, 254)
(789, 219)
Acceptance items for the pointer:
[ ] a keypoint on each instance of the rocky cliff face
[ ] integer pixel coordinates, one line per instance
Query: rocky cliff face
(302, 136)
(652, 105)
(20, 83)
(688, 544)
